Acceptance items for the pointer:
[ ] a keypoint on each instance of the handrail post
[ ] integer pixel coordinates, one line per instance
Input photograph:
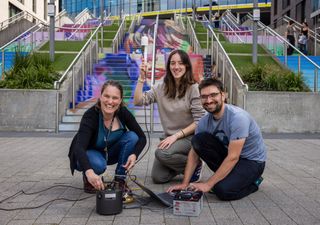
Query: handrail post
(57, 111)
(90, 57)
(299, 63)
(316, 80)
(153, 70)
(101, 49)
(73, 88)
(3, 61)
(83, 68)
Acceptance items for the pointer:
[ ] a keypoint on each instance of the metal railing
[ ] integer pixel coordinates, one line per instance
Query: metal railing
(225, 26)
(119, 36)
(82, 64)
(58, 18)
(313, 37)
(22, 15)
(75, 32)
(287, 44)
(83, 16)
(231, 79)
(192, 36)
(26, 41)
(132, 25)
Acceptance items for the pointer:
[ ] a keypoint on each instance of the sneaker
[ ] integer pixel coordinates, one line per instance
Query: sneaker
(196, 176)
(258, 181)
(127, 196)
(87, 187)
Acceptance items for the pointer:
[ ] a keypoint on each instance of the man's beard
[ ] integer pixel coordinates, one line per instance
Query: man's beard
(216, 110)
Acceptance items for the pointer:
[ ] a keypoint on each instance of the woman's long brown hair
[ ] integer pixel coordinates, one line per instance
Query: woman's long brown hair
(171, 90)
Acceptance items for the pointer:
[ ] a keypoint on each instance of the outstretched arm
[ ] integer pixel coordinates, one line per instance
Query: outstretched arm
(138, 92)
(192, 162)
(234, 150)
(167, 142)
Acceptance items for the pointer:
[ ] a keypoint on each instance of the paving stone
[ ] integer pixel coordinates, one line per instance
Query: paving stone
(289, 194)
(128, 220)
(73, 221)
(21, 222)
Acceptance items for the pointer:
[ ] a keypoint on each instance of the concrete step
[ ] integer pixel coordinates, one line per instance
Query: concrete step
(73, 119)
(72, 127)
(136, 110)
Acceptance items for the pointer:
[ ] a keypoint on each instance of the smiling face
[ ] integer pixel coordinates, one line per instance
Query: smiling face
(177, 68)
(110, 100)
(212, 99)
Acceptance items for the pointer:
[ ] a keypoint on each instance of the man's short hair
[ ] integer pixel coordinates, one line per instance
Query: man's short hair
(211, 81)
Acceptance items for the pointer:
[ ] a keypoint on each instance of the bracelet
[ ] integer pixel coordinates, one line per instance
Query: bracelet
(141, 81)
(183, 133)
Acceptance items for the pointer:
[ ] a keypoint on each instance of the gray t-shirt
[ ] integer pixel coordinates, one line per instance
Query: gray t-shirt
(236, 124)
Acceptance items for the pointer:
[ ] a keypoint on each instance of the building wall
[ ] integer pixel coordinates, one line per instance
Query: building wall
(299, 10)
(35, 7)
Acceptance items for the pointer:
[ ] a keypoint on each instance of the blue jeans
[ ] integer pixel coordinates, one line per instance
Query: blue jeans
(240, 181)
(118, 153)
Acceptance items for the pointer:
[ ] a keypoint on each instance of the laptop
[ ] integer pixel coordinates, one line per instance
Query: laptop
(163, 198)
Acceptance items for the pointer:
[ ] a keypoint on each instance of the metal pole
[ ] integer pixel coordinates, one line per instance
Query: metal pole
(210, 13)
(256, 18)
(101, 20)
(51, 14)
(315, 41)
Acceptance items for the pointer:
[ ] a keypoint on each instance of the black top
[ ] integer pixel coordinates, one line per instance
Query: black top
(304, 32)
(87, 135)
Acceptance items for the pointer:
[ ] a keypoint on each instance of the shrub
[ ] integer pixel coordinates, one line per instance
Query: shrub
(271, 78)
(30, 72)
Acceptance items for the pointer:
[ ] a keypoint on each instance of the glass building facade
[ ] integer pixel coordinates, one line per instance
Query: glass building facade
(116, 7)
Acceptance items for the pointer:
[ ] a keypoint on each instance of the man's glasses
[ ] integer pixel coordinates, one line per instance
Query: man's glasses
(212, 95)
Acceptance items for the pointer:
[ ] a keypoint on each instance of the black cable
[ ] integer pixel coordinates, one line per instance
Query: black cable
(38, 206)
(37, 192)
(148, 134)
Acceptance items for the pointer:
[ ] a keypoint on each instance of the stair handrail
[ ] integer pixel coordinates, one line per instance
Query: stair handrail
(181, 23)
(192, 36)
(119, 36)
(287, 43)
(132, 25)
(153, 68)
(235, 32)
(4, 24)
(311, 33)
(2, 48)
(73, 66)
(219, 51)
(139, 18)
(81, 15)
(76, 30)
(58, 17)
(230, 15)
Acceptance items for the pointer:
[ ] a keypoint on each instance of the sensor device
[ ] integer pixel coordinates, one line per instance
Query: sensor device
(109, 201)
(188, 203)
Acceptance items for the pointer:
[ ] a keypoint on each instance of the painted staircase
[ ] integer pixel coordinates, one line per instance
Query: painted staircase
(119, 67)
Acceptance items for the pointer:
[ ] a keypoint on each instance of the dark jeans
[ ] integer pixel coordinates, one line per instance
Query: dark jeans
(118, 153)
(291, 41)
(240, 181)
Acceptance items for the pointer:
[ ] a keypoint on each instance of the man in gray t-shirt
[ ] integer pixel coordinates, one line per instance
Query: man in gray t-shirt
(230, 142)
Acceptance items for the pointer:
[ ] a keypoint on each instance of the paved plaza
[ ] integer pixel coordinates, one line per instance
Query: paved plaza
(289, 194)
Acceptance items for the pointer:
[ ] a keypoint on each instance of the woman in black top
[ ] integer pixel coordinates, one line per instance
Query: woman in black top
(94, 146)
